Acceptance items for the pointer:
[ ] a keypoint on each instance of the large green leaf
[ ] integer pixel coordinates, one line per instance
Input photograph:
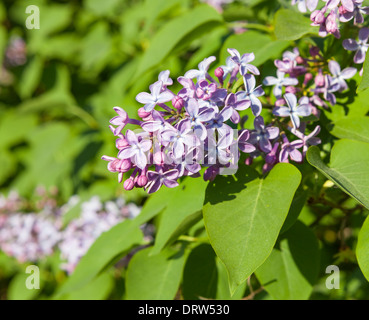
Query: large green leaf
(362, 249)
(166, 39)
(200, 274)
(349, 167)
(154, 277)
(110, 245)
(354, 128)
(291, 25)
(244, 214)
(292, 269)
(183, 211)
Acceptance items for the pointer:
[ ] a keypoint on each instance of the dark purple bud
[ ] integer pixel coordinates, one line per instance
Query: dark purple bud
(178, 103)
(128, 184)
(314, 51)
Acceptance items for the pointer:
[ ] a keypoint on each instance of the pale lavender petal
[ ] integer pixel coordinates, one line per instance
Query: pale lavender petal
(273, 132)
(348, 5)
(131, 137)
(296, 155)
(348, 73)
(126, 153)
(192, 107)
(193, 73)
(146, 145)
(334, 67)
(291, 100)
(282, 111)
(303, 110)
(144, 98)
(270, 81)
(165, 96)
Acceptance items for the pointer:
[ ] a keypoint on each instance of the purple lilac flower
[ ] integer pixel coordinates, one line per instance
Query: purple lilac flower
(289, 150)
(356, 13)
(150, 100)
(180, 137)
(278, 82)
(309, 140)
(202, 72)
(236, 104)
(244, 62)
(262, 135)
(252, 93)
(136, 151)
(340, 76)
(294, 110)
(159, 177)
(361, 46)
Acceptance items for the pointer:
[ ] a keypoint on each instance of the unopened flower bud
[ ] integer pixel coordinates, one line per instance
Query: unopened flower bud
(291, 89)
(308, 77)
(300, 60)
(314, 51)
(280, 102)
(142, 181)
(128, 184)
(219, 73)
(319, 79)
(121, 143)
(178, 103)
(142, 113)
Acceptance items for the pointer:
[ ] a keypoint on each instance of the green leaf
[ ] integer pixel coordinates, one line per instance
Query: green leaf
(349, 167)
(292, 269)
(154, 204)
(223, 292)
(364, 83)
(354, 128)
(31, 77)
(166, 39)
(183, 211)
(244, 214)
(362, 248)
(263, 46)
(154, 277)
(110, 245)
(17, 288)
(98, 289)
(291, 25)
(200, 275)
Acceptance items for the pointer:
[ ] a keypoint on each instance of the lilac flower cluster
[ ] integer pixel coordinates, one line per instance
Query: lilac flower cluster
(332, 13)
(30, 237)
(182, 133)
